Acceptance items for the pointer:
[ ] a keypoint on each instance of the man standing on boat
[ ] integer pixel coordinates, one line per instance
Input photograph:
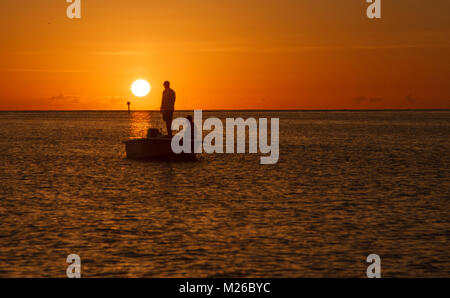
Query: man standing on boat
(168, 106)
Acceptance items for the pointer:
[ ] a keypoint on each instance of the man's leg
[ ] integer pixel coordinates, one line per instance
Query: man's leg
(169, 127)
(169, 122)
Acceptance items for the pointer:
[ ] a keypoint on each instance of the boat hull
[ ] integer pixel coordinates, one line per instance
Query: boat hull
(154, 148)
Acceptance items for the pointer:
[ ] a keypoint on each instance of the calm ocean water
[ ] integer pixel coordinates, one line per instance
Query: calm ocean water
(348, 184)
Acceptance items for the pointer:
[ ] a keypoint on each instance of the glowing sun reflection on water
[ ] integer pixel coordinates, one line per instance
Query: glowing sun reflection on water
(139, 124)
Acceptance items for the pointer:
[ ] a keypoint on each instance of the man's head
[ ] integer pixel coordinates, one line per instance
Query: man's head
(166, 84)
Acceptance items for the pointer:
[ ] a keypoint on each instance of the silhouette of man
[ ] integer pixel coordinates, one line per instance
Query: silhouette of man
(167, 106)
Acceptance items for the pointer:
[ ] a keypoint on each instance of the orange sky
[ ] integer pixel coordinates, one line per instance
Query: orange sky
(234, 54)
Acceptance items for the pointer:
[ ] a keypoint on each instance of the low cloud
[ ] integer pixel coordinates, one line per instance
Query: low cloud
(61, 98)
(115, 99)
(410, 99)
(66, 98)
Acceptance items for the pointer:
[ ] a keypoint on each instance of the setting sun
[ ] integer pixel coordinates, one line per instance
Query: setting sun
(140, 88)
